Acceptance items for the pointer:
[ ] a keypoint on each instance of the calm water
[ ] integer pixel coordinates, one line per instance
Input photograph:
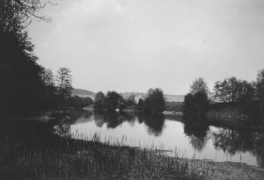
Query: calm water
(190, 138)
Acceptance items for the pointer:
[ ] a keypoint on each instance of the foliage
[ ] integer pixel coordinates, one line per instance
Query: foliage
(196, 104)
(24, 84)
(20, 75)
(77, 101)
(260, 85)
(199, 85)
(130, 101)
(112, 100)
(155, 100)
(99, 100)
(19, 13)
(234, 90)
(64, 86)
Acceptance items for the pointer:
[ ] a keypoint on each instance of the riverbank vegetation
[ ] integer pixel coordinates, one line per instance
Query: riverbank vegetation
(154, 102)
(230, 96)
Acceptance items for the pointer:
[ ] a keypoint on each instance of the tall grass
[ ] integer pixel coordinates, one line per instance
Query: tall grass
(79, 159)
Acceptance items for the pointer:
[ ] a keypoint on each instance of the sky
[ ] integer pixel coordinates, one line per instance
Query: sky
(134, 45)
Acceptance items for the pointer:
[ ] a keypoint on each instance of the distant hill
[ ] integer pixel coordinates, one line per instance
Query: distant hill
(83, 93)
(175, 98)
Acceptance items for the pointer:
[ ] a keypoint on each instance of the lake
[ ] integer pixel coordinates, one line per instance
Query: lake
(189, 138)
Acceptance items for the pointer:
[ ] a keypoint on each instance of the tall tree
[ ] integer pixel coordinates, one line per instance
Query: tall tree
(64, 86)
(155, 100)
(199, 85)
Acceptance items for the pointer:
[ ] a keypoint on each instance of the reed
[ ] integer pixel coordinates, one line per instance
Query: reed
(83, 159)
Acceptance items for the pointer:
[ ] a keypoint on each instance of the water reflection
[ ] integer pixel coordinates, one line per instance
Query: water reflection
(197, 131)
(112, 120)
(155, 123)
(66, 118)
(240, 140)
(196, 128)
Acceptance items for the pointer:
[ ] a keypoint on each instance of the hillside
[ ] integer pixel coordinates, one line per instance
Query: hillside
(83, 93)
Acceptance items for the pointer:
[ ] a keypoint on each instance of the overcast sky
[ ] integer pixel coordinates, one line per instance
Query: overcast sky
(135, 45)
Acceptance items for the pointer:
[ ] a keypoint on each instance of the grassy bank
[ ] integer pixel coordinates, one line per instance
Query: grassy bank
(77, 159)
(94, 160)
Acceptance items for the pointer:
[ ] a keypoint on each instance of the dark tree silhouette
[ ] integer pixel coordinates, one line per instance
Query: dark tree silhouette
(155, 100)
(112, 100)
(22, 82)
(234, 90)
(195, 104)
(99, 100)
(64, 86)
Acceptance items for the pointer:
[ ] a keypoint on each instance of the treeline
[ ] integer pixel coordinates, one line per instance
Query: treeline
(24, 84)
(154, 101)
(230, 90)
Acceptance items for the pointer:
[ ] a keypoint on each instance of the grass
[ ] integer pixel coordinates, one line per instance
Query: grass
(80, 159)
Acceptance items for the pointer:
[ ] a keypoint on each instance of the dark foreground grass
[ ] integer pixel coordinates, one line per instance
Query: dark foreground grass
(78, 159)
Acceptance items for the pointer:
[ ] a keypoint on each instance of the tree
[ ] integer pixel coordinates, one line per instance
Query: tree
(234, 90)
(21, 80)
(227, 90)
(155, 100)
(99, 100)
(20, 75)
(260, 88)
(260, 85)
(246, 91)
(195, 104)
(199, 85)
(64, 86)
(131, 100)
(48, 91)
(112, 100)
(87, 101)
(188, 104)
(20, 12)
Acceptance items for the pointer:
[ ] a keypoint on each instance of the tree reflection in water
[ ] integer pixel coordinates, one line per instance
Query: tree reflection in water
(229, 140)
(197, 130)
(154, 122)
(233, 141)
(66, 118)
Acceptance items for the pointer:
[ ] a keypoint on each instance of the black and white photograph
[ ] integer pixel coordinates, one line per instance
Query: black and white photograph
(131, 89)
